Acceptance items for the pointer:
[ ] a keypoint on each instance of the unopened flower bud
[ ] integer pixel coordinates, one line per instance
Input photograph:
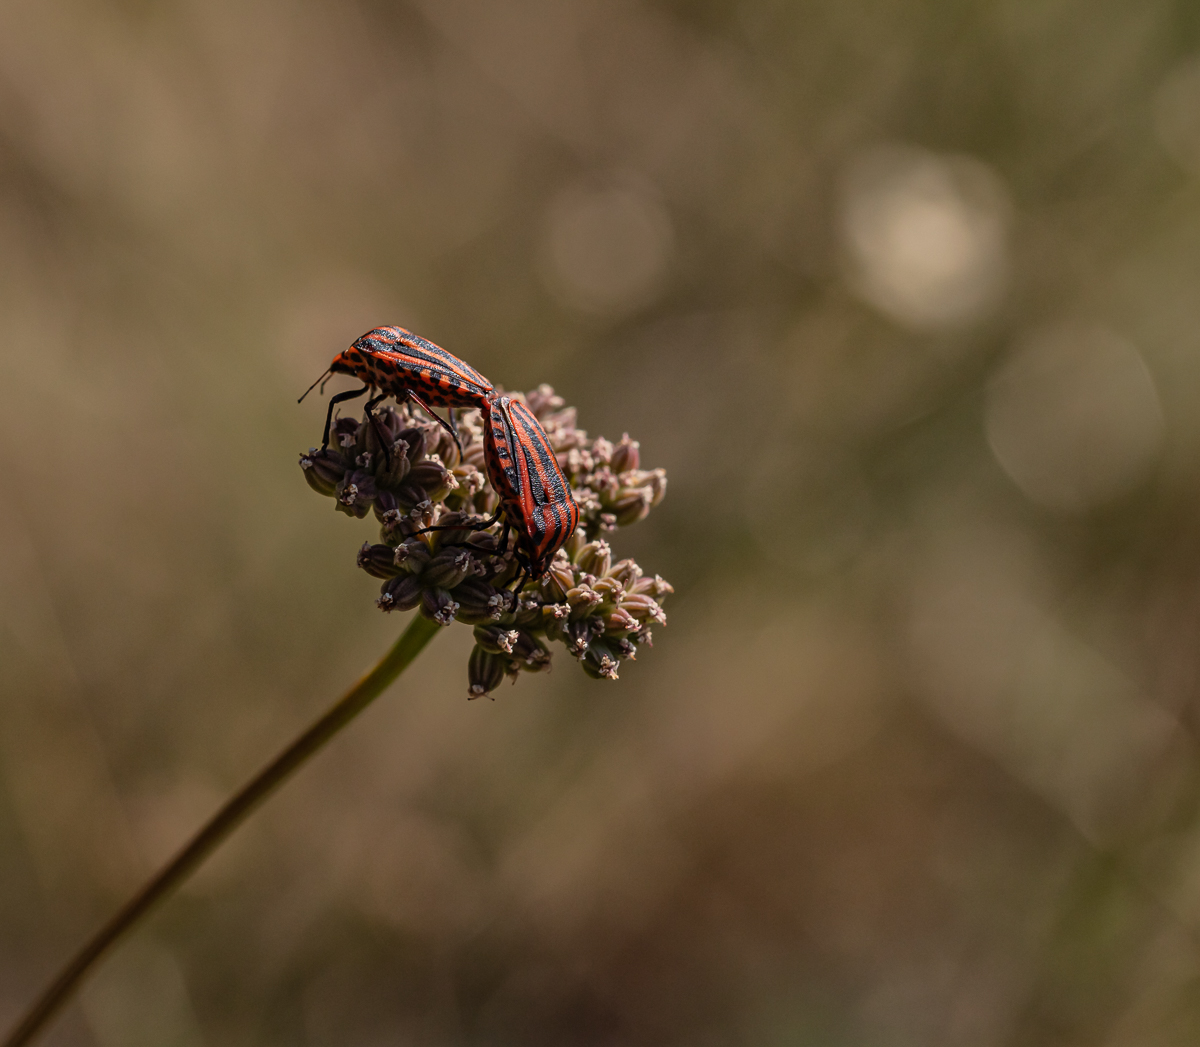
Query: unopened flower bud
(543, 400)
(422, 513)
(564, 418)
(609, 589)
(626, 455)
(438, 606)
(623, 648)
(323, 470)
(345, 432)
(539, 661)
(454, 527)
(558, 579)
(392, 467)
(602, 450)
(447, 449)
(530, 650)
(496, 638)
(582, 599)
(619, 621)
(600, 662)
(658, 484)
(473, 455)
(412, 555)
(414, 443)
(432, 476)
(605, 483)
(576, 541)
(631, 505)
(385, 502)
(644, 608)
(470, 480)
(575, 461)
(579, 636)
(478, 602)
(482, 542)
(656, 586)
(595, 558)
(378, 560)
(355, 494)
(485, 671)
(627, 572)
(396, 524)
(447, 568)
(401, 593)
(407, 495)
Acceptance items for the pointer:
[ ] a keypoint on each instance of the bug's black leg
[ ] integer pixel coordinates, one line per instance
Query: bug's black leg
(437, 418)
(488, 523)
(504, 538)
(378, 428)
(522, 577)
(460, 527)
(354, 394)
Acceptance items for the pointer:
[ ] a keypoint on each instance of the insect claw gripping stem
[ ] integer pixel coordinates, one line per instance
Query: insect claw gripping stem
(353, 394)
(522, 578)
(384, 439)
(458, 527)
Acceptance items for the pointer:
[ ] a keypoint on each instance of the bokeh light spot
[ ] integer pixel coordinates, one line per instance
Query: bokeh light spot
(1074, 418)
(925, 236)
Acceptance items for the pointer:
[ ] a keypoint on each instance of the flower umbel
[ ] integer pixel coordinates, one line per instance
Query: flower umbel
(600, 610)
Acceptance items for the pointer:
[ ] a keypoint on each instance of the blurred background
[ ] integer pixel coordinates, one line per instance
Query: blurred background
(903, 297)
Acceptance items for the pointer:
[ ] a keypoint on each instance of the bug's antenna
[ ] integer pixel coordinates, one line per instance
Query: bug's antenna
(312, 387)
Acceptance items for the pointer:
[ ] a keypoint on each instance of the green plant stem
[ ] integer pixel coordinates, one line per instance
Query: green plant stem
(419, 632)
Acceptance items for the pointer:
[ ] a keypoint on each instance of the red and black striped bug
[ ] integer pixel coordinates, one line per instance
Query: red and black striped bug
(536, 503)
(535, 498)
(408, 367)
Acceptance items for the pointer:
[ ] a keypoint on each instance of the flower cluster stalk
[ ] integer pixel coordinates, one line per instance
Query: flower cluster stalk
(419, 632)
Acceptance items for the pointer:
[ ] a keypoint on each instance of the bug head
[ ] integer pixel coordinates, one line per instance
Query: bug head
(349, 362)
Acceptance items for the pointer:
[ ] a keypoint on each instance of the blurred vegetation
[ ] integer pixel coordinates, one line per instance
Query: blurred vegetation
(903, 296)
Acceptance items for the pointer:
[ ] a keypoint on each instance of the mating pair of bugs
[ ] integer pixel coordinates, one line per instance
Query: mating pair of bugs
(535, 499)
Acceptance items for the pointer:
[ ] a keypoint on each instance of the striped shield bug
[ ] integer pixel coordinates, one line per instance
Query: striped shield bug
(407, 367)
(535, 497)
(536, 503)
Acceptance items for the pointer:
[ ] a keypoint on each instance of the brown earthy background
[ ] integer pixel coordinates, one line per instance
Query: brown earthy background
(906, 298)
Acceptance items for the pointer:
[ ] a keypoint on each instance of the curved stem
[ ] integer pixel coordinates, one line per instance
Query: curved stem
(220, 826)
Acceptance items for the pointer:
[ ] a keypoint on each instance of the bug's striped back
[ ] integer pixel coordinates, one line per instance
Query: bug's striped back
(524, 471)
(399, 362)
